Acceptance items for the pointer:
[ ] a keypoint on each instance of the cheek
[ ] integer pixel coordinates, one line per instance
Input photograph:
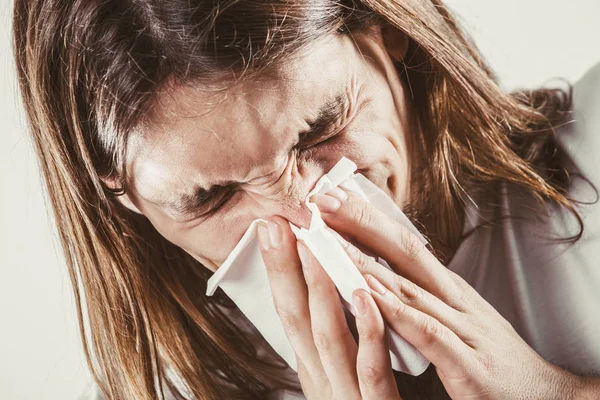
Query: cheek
(371, 143)
(376, 143)
(211, 241)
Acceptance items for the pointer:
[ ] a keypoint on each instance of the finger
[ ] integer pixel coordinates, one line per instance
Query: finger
(333, 340)
(408, 292)
(347, 213)
(344, 241)
(434, 340)
(373, 364)
(311, 389)
(471, 301)
(474, 302)
(290, 295)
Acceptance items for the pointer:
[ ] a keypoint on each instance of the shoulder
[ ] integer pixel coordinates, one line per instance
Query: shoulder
(586, 105)
(586, 93)
(581, 138)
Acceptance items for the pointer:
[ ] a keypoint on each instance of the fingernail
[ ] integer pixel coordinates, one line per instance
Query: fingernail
(375, 284)
(338, 193)
(303, 254)
(275, 234)
(359, 304)
(263, 235)
(326, 203)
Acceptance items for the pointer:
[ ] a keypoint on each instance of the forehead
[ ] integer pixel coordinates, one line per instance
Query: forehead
(200, 136)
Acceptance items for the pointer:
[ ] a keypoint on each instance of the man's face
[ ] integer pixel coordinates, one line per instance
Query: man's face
(210, 162)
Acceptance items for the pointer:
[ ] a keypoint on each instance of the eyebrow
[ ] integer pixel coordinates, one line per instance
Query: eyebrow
(184, 205)
(327, 116)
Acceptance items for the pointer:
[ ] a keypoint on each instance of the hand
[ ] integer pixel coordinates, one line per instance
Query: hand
(330, 363)
(476, 352)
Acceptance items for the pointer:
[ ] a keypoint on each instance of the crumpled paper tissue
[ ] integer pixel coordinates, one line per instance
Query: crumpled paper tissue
(243, 275)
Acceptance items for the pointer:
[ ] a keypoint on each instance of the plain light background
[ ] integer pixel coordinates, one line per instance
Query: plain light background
(527, 43)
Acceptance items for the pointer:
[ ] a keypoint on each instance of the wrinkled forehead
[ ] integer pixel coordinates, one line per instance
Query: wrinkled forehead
(296, 82)
(196, 130)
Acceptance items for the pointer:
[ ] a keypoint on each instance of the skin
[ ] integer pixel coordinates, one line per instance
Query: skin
(188, 142)
(193, 139)
(476, 352)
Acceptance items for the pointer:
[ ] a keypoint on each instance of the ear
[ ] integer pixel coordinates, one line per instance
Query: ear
(127, 202)
(124, 199)
(395, 41)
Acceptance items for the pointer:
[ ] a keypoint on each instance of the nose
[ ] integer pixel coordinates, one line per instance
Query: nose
(288, 201)
(296, 212)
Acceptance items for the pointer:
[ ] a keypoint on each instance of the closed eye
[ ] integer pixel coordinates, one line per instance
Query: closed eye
(203, 204)
(324, 128)
(311, 140)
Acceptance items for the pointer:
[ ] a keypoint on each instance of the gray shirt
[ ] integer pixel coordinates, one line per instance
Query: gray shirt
(549, 292)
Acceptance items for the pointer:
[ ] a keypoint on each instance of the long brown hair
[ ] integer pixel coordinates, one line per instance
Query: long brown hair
(89, 72)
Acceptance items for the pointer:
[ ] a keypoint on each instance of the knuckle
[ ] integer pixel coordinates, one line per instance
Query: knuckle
(371, 334)
(398, 309)
(325, 340)
(369, 374)
(291, 322)
(321, 287)
(407, 290)
(279, 268)
(412, 246)
(322, 342)
(462, 298)
(468, 381)
(487, 366)
(478, 327)
(362, 216)
(363, 262)
(431, 330)
(457, 279)
(461, 302)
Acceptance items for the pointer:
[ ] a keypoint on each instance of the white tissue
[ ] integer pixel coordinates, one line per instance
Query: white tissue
(243, 275)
